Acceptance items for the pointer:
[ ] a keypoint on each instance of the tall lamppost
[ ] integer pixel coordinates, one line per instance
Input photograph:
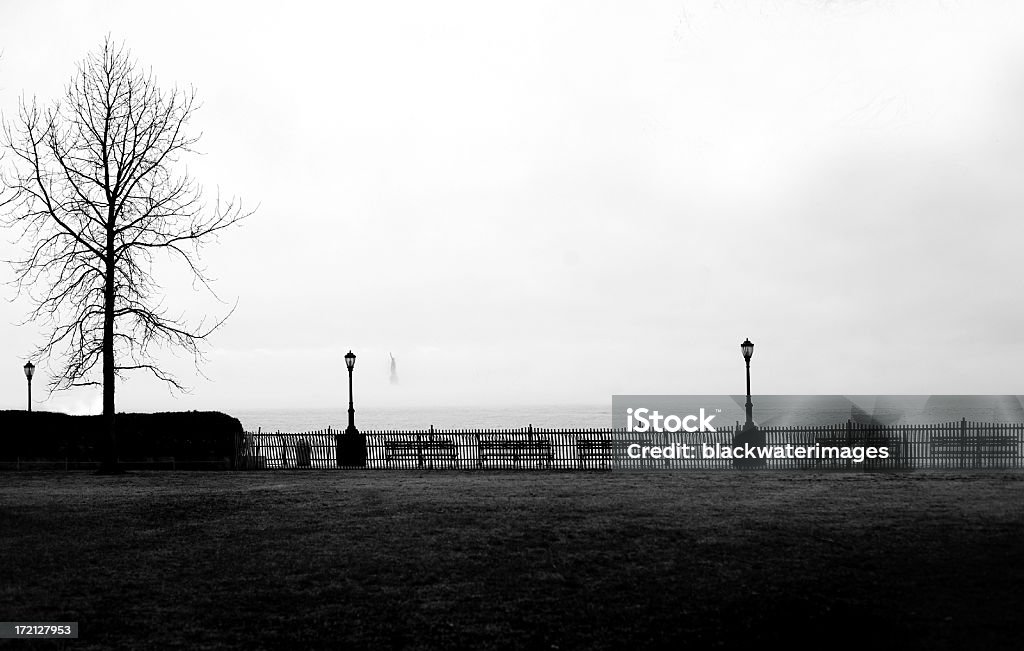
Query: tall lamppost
(748, 352)
(750, 436)
(350, 362)
(30, 370)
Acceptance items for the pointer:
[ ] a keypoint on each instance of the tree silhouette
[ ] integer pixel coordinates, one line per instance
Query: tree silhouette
(92, 187)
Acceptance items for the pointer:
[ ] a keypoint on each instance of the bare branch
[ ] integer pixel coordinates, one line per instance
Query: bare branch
(93, 192)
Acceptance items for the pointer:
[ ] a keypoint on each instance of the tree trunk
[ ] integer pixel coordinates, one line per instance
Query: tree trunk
(109, 463)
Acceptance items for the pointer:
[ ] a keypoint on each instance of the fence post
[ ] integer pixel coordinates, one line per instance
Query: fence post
(529, 445)
(340, 449)
(979, 431)
(849, 439)
(963, 442)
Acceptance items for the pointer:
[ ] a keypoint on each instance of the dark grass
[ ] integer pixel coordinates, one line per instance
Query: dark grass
(165, 560)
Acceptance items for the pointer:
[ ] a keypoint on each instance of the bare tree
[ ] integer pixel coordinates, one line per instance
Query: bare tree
(92, 187)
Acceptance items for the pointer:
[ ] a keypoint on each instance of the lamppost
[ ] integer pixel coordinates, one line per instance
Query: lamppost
(350, 362)
(750, 436)
(30, 370)
(748, 352)
(351, 446)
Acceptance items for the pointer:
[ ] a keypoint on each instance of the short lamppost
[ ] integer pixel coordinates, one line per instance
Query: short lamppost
(351, 446)
(350, 362)
(749, 436)
(748, 352)
(30, 370)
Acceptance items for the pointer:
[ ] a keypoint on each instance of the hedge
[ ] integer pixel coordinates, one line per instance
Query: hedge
(185, 435)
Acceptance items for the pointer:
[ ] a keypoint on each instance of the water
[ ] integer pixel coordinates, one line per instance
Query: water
(768, 410)
(304, 420)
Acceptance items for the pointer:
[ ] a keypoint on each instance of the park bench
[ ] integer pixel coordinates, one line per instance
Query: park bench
(516, 453)
(422, 453)
(595, 453)
(975, 450)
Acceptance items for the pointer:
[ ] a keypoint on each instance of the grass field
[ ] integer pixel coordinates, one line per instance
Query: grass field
(163, 560)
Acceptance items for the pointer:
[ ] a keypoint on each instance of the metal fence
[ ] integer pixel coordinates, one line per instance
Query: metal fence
(845, 446)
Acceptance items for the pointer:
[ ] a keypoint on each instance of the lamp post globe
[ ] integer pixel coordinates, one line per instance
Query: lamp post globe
(30, 370)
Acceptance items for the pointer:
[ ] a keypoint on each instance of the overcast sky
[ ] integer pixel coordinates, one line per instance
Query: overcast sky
(554, 202)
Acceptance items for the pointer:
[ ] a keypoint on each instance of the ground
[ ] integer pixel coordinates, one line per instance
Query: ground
(547, 560)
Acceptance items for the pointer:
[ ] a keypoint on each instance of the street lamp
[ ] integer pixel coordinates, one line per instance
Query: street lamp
(350, 362)
(748, 352)
(30, 370)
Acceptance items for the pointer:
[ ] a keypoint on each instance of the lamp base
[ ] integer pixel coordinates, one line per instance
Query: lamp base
(351, 448)
(749, 435)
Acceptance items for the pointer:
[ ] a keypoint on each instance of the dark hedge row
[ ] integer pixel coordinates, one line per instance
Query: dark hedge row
(185, 435)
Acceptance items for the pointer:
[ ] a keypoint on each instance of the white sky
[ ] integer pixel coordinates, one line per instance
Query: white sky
(554, 202)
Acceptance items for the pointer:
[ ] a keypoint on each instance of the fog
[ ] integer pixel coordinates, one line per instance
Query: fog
(548, 203)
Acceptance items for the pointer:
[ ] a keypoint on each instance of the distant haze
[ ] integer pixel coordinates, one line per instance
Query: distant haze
(555, 202)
